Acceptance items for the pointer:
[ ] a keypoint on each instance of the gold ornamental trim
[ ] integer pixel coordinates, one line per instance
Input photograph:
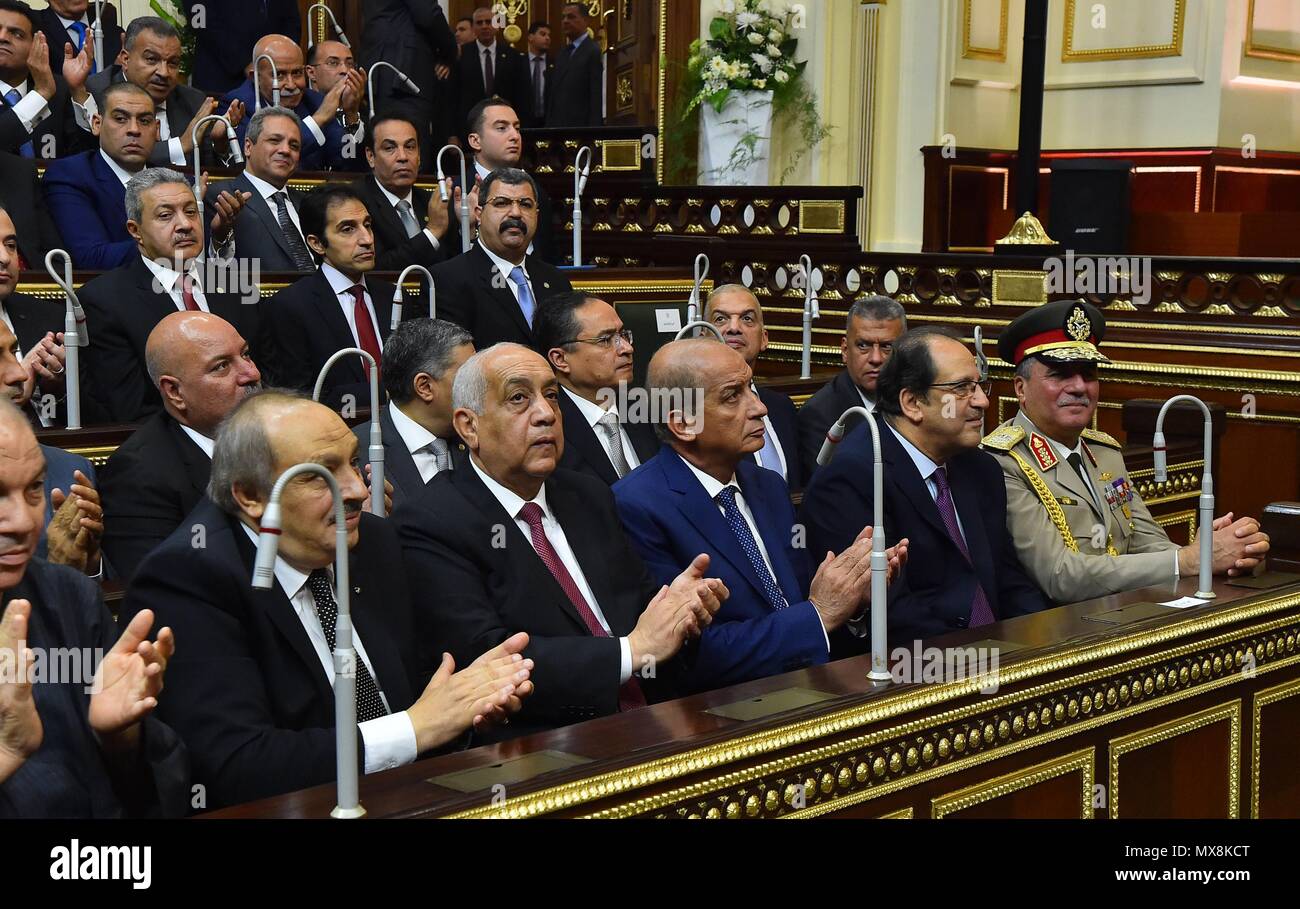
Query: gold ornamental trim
(1253, 48)
(971, 51)
(1261, 700)
(1027, 231)
(1082, 762)
(1054, 509)
(1229, 712)
(1133, 52)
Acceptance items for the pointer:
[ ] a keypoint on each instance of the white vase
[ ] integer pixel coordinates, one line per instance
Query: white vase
(722, 161)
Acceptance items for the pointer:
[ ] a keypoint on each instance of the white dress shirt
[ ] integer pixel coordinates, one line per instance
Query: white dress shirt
(869, 404)
(512, 503)
(205, 444)
(31, 109)
(782, 468)
(712, 488)
(593, 414)
(342, 286)
(926, 468)
(409, 199)
(389, 740)
(506, 268)
(169, 279)
(417, 440)
(118, 170)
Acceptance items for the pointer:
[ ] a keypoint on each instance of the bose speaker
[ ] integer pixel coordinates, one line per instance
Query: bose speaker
(1090, 205)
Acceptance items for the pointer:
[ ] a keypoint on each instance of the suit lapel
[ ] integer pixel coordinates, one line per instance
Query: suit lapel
(966, 501)
(399, 464)
(105, 178)
(384, 658)
(579, 434)
(158, 302)
(590, 546)
(902, 474)
(384, 212)
(503, 296)
(197, 466)
(269, 219)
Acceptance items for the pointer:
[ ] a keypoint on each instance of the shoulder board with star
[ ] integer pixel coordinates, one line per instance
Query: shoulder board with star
(1101, 438)
(1004, 438)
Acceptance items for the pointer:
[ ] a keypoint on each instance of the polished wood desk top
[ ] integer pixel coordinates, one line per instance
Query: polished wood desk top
(1061, 642)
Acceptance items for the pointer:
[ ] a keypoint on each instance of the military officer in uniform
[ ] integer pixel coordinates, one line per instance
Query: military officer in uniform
(1079, 526)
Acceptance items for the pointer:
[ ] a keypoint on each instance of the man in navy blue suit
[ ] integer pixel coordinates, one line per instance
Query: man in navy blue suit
(703, 493)
(86, 193)
(941, 492)
(737, 314)
(326, 145)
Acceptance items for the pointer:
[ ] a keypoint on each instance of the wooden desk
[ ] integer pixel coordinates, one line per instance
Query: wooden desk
(1196, 712)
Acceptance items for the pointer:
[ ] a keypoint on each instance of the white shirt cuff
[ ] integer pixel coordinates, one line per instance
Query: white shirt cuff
(314, 128)
(822, 622)
(32, 109)
(389, 741)
(175, 151)
(624, 661)
(432, 239)
(81, 113)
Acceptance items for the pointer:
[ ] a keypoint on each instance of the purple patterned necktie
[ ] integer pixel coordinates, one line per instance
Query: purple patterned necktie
(980, 613)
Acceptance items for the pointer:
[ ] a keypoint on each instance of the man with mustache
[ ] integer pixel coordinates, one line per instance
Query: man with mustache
(123, 305)
(70, 748)
(325, 144)
(202, 369)
(252, 694)
(494, 289)
(1080, 528)
(152, 61)
(942, 494)
(87, 192)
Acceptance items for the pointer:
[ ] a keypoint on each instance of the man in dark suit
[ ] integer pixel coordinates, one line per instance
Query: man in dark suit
(73, 749)
(421, 359)
(269, 230)
(941, 492)
(540, 70)
(202, 369)
(411, 224)
(490, 67)
(874, 323)
(335, 307)
(325, 144)
(416, 39)
(738, 315)
(591, 352)
(68, 22)
(123, 306)
(42, 115)
(493, 290)
(251, 694)
(576, 91)
(21, 194)
(87, 192)
(153, 62)
(496, 139)
(225, 37)
(701, 493)
(511, 543)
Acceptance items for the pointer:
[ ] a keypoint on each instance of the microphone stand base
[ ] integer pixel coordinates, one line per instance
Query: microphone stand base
(348, 813)
(1206, 595)
(879, 678)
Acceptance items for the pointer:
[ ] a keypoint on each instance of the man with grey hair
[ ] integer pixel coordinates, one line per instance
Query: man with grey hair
(152, 61)
(513, 542)
(494, 289)
(873, 325)
(270, 231)
(202, 368)
(421, 360)
(736, 313)
(252, 694)
(123, 305)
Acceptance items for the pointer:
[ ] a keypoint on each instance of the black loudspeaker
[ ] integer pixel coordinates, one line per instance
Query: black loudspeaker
(1090, 204)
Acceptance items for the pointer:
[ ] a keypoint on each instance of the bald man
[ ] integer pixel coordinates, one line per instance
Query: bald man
(202, 368)
(511, 543)
(703, 493)
(326, 145)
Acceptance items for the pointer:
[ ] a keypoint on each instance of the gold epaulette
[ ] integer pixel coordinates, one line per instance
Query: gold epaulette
(1101, 438)
(1004, 438)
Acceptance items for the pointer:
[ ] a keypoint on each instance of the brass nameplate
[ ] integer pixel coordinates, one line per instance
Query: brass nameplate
(770, 704)
(821, 216)
(1266, 581)
(514, 770)
(1019, 288)
(620, 154)
(1134, 612)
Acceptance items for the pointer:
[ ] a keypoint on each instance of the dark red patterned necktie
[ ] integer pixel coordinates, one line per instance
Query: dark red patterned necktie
(366, 339)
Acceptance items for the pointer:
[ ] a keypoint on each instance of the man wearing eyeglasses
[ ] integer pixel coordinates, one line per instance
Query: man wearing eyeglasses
(591, 353)
(494, 289)
(941, 493)
(1079, 526)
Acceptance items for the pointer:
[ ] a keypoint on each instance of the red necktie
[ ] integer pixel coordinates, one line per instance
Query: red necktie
(630, 695)
(366, 339)
(187, 293)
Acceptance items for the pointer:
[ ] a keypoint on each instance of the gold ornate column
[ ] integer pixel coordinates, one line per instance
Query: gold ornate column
(869, 16)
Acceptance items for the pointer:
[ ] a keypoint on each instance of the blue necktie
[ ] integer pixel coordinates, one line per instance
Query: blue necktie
(525, 294)
(80, 29)
(731, 511)
(769, 457)
(12, 98)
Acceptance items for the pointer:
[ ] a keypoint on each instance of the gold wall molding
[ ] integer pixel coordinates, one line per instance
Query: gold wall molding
(1174, 48)
(1261, 700)
(904, 814)
(1080, 762)
(1229, 712)
(972, 51)
(1253, 48)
